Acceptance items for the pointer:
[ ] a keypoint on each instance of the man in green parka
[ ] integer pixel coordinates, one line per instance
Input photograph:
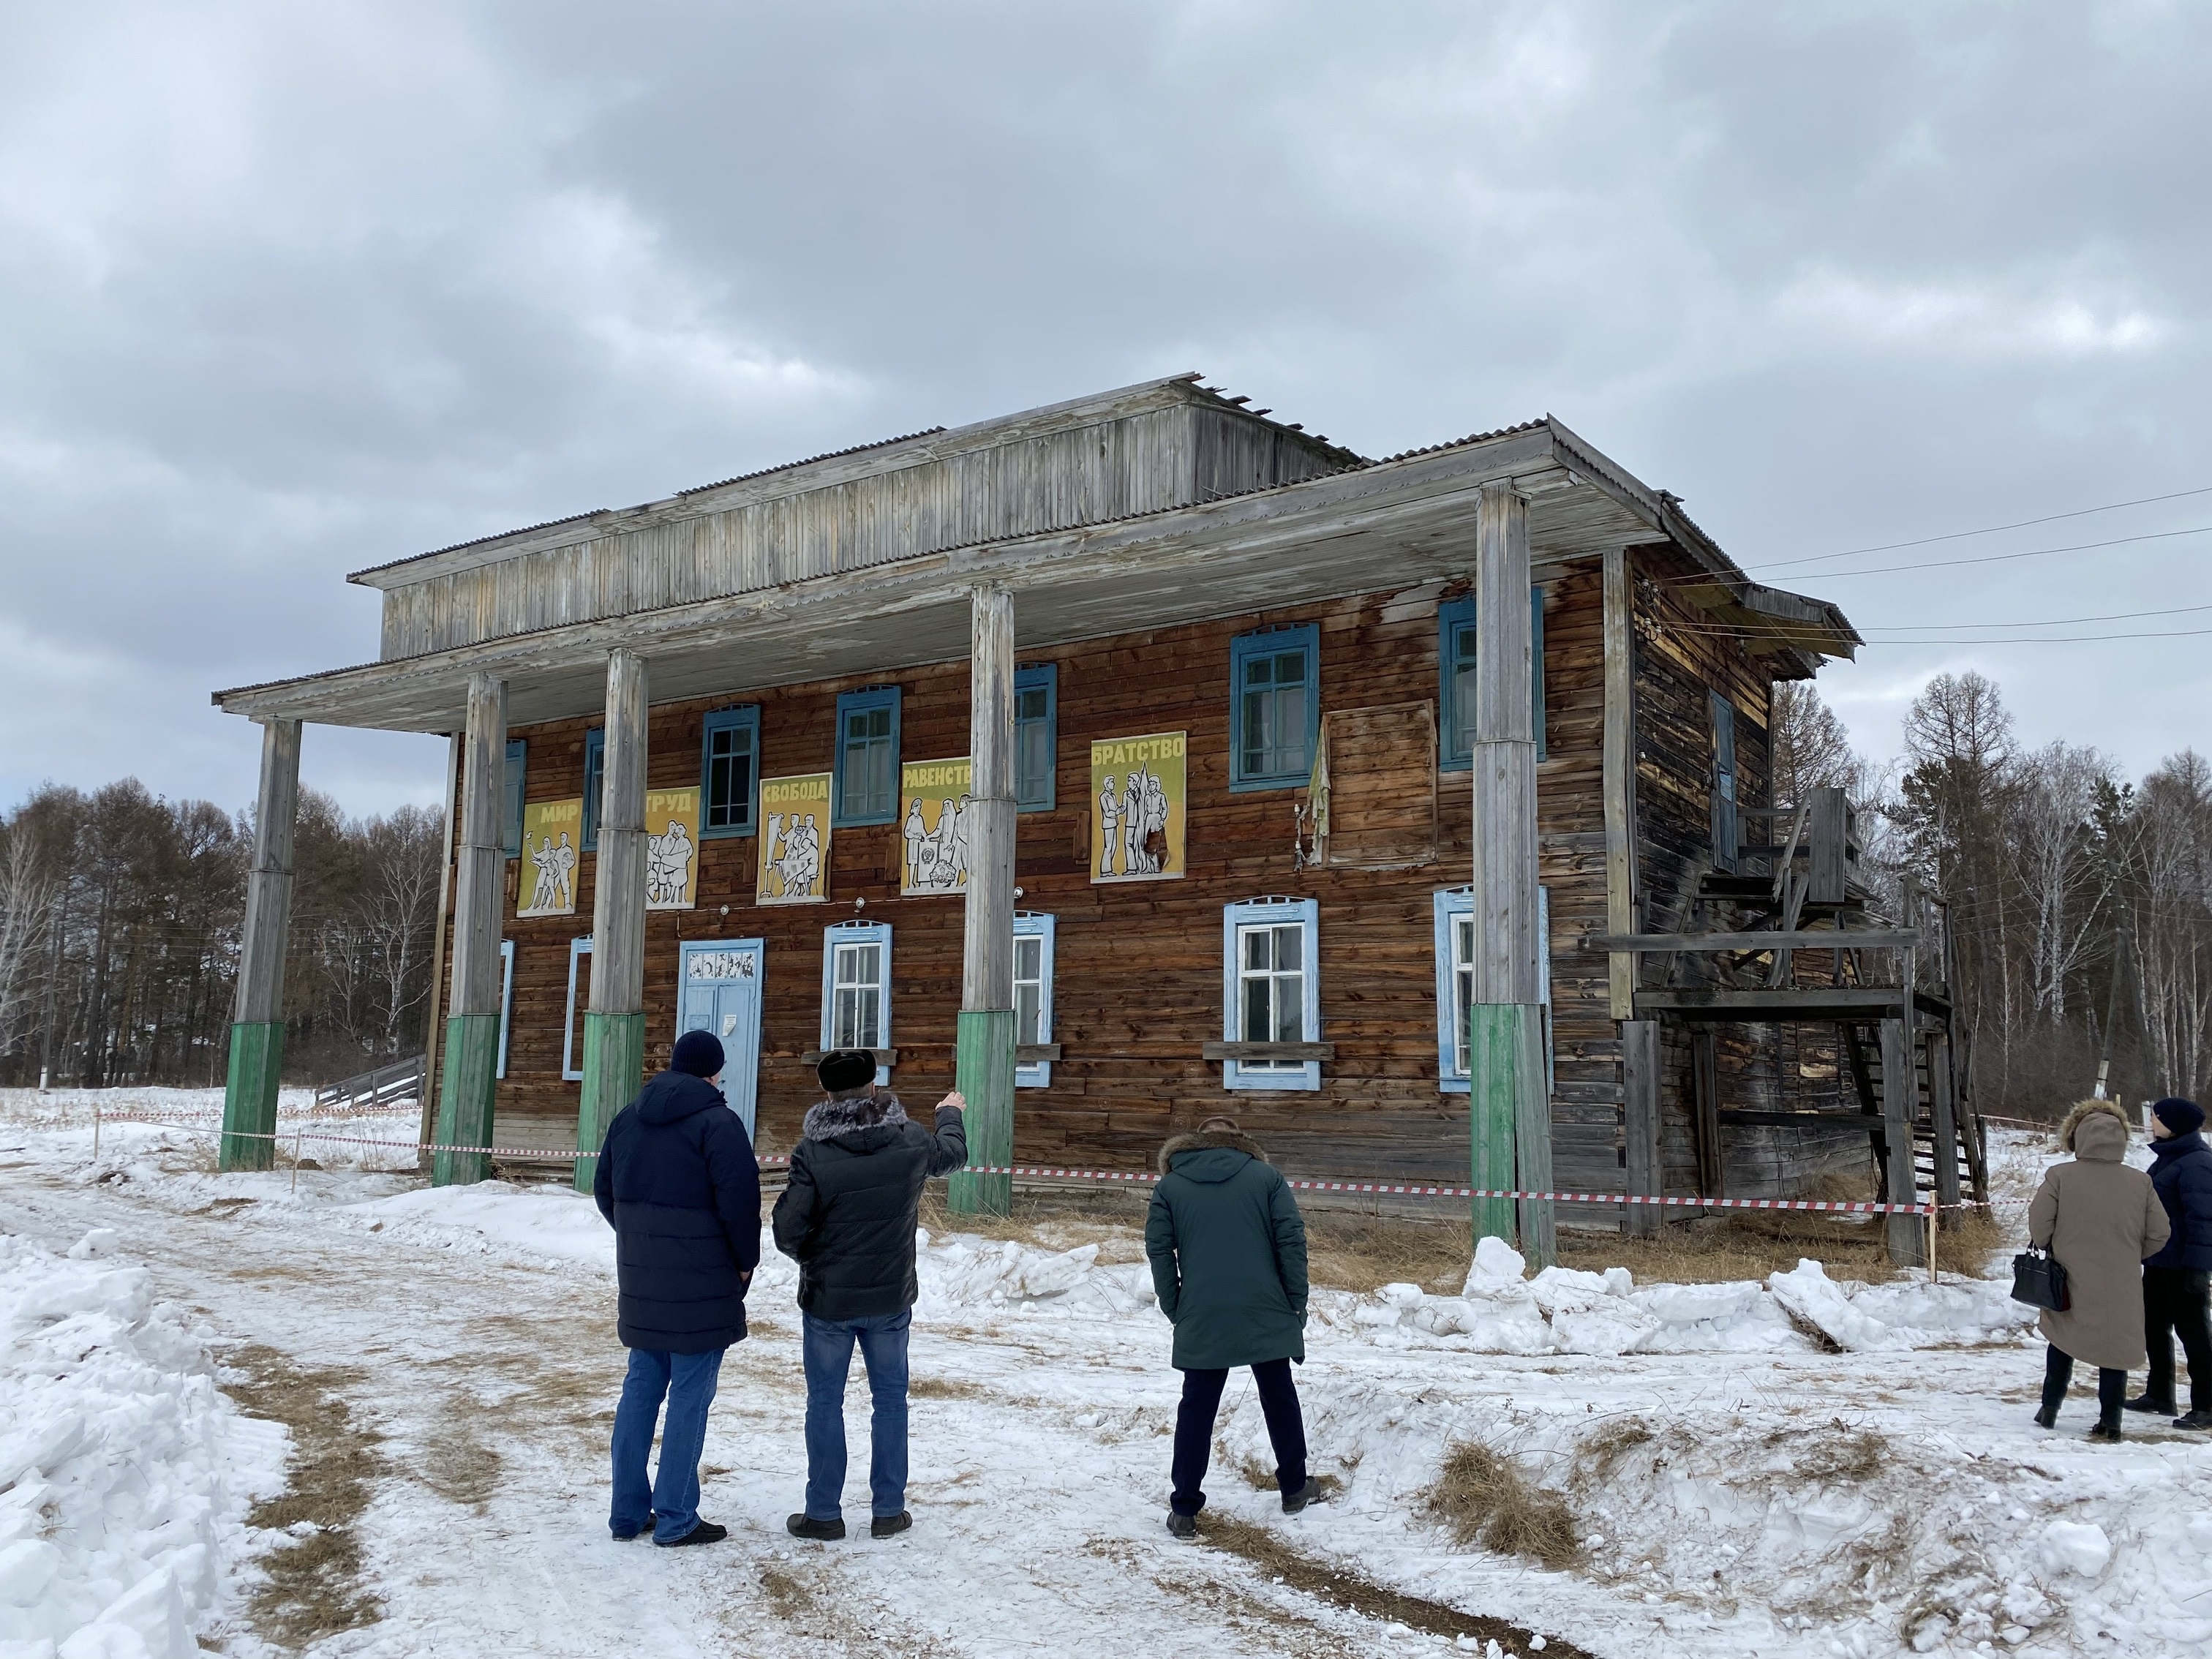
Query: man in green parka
(1228, 1249)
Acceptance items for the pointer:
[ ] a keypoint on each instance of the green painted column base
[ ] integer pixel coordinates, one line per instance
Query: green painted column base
(1510, 1111)
(249, 1095)
(614, 1071)
(1493, 1097)
(465, 1095)
(984, 1074)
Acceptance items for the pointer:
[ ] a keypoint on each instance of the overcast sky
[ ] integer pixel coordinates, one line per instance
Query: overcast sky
(289, 291)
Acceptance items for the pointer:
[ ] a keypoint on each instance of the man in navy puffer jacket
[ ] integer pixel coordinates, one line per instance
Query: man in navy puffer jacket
(2176, 1281)
(679, 1183)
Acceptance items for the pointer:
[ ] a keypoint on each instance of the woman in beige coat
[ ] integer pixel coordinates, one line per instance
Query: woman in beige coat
(2100, 1219)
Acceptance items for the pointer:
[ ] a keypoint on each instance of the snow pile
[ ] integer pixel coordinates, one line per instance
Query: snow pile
(124, 1474)
(963, 1271)
(1861, 1539)
(1565, 1310)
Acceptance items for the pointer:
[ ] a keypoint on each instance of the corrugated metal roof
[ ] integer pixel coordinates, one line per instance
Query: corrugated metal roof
(826, 455)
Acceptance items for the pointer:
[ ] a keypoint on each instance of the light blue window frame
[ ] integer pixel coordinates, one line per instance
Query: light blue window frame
(511, 779)
(1031, 924)
(1037, 782)
(572, 1055)
(734, 723)
(1451, 904)
(506, 999)
(595, 778)
(1273, 913)
(859, 932)
(849, 703)
(1455, 700)
(1305, 638)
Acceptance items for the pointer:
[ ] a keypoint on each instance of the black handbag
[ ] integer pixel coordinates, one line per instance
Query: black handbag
(2039, 1281)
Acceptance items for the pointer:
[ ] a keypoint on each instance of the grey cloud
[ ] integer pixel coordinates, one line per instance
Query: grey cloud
(286, 292)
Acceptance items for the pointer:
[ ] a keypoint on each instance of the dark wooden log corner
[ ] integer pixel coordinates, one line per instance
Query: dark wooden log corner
(884, 1056)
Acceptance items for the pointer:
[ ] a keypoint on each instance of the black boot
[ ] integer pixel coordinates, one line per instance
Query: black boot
(2046, 1415)
(1310, 1494)
(804, 1525)
(2143, 1402)
(707, 1532)
(2108, 1428)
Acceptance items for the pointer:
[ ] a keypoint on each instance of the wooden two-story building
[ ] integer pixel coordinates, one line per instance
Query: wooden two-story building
(738, 758)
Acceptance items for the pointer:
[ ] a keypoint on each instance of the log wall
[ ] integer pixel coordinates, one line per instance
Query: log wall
(1138, 974)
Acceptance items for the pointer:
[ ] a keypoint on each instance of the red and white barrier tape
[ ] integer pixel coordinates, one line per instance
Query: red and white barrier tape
(1141, 1177)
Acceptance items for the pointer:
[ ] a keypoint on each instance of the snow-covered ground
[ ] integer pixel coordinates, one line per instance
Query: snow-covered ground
(1797, 1467)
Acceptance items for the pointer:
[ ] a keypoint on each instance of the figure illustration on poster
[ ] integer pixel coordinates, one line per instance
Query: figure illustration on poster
(937, 853)
(553, 892)
(1109, 822)
(668, 867)
(794, 854)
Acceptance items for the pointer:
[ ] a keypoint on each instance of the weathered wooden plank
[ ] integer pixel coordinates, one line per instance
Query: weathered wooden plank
(1640, 1122)
(1260, 1051)
(1619, 759)
(1801, 938)
(1900, 1096)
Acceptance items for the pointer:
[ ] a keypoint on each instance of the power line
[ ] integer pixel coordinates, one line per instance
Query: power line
(1985, 558)
(2047, 622)
(1993, 529)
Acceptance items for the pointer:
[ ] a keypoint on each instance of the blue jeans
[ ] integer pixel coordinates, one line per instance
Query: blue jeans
(827, 1350)
(671, 1503)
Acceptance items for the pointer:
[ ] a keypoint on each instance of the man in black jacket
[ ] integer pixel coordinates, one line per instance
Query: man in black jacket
(679, 1181)
(847, 1218)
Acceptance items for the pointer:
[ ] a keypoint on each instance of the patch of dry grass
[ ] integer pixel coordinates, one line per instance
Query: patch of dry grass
(314, 1587)
(1836, 1453)
(1352, 1252)
(1354, 1591)
(1603, 1449)
(1481, 1497)
(943, 1388)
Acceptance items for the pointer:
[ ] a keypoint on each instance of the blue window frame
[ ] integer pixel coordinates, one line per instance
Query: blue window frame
(580, 991)
(729, 772)
(1033, 950)
(1456, 675)
(1270, 988)
(1728, 837)
(1037, 736)
(856, 987)
(506, 999)
(595, 775)
(1454, 959)
(1274, 707)
(867, 757)
(510, 815)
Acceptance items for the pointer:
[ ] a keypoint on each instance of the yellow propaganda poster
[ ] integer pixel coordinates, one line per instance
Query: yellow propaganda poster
(1138, 795)
(552, 838)
(672, 848)
(794, 842)
(933, 802)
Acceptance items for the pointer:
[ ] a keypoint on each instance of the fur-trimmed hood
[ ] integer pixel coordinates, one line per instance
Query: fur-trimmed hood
(1234, 1140)
(828, 1118)
(2101, 1142)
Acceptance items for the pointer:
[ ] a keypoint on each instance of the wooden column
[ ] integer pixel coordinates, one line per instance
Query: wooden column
(614, 1022)
(1639, 1053)
(257, 1029)
(1508, 1094)
(471, 1062)
(985, 1061)
(1942, 1112)
(1619, 775)
(433, 1026)
(1900, 1090)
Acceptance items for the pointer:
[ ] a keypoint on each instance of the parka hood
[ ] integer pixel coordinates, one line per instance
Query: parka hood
(673, 1096)
(834, 1120)
(2096, 1130)
(1209, 1141)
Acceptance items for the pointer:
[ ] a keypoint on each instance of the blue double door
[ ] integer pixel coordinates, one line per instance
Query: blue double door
(720, 990)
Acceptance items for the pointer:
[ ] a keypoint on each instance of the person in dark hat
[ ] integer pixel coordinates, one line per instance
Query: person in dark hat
(2175, 1281)
(848, 1217)
(679, 1183)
